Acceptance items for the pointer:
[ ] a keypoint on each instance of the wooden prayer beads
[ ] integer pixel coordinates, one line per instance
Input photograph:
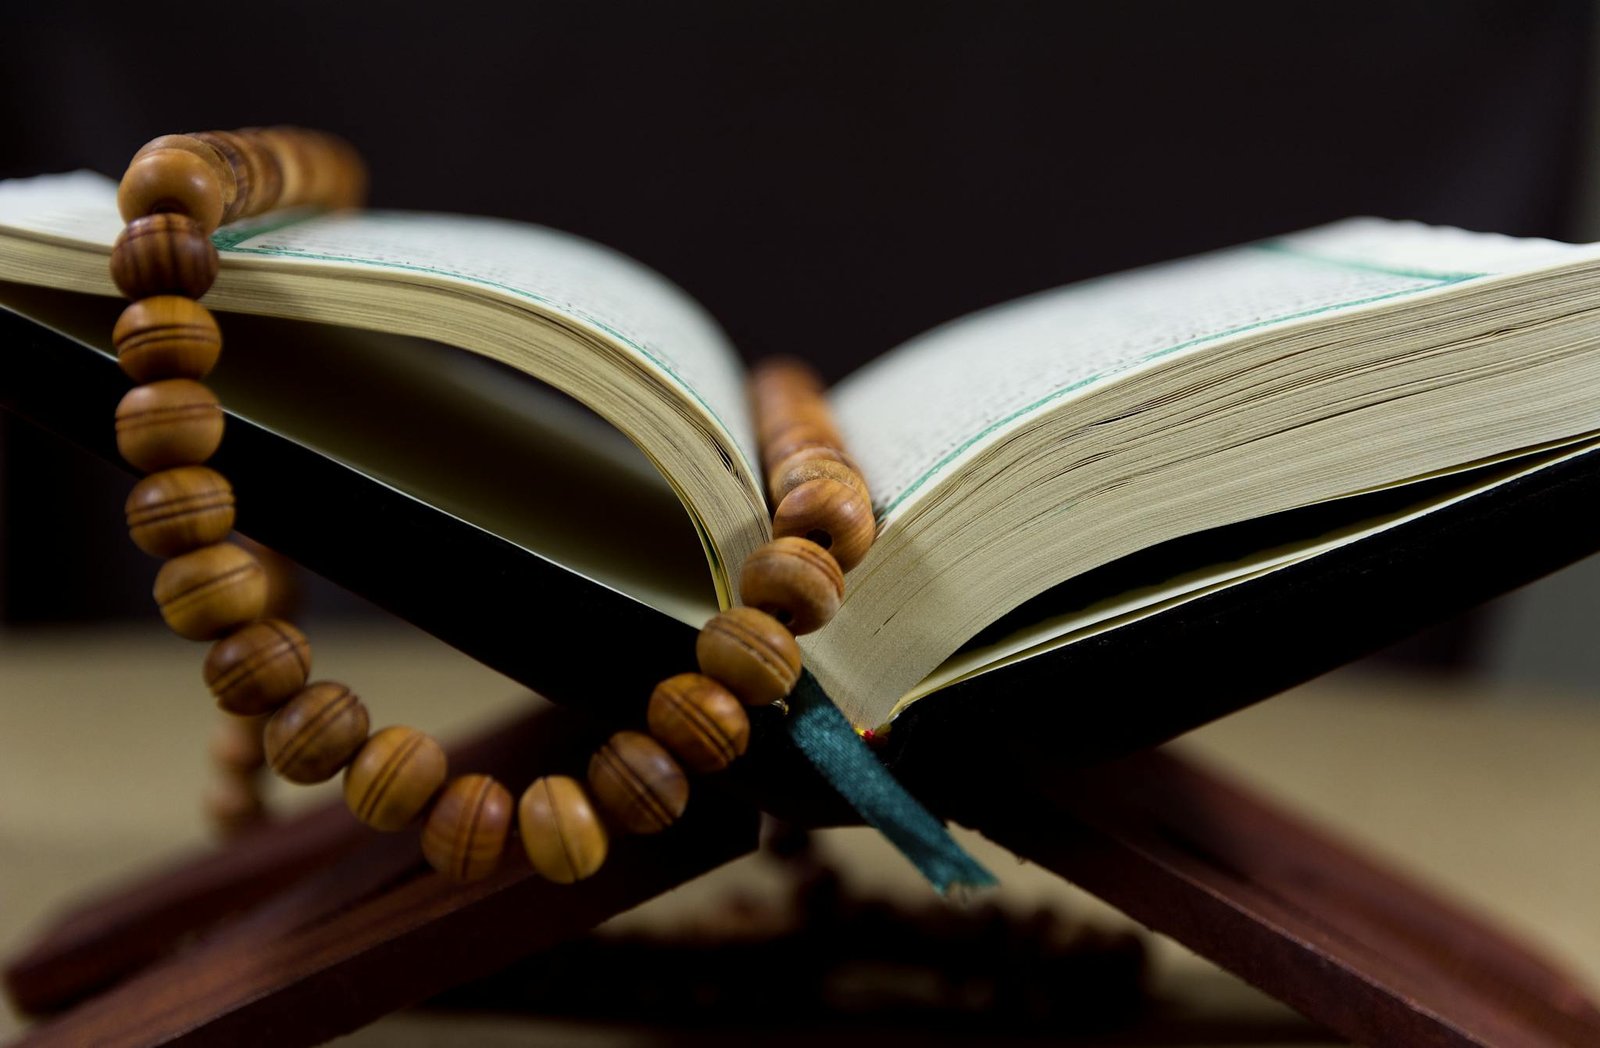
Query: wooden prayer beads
(561, 832)
(316, 733)
(163, 255)
(236, 744)
(233, 804)
(227, 185)
(166, 336)
(831, 514)
(795, 581)
(208, 591)
(637, 783)
(255, 170)
(175, 180)
(466, 831)
(258, 668)
(234, 801)
(180, 509)
(173, 422)
(393, 777)
(176, 191)
(751, 653)
(699, 720)
(828, 504)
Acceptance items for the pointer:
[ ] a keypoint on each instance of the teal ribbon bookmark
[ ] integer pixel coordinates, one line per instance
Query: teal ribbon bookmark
(832, 745)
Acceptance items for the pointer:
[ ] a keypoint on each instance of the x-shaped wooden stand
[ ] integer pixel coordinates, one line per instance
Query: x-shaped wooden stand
(315, 926)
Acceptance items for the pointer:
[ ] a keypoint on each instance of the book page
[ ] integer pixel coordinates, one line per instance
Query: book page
(584, 281)
(948, 394)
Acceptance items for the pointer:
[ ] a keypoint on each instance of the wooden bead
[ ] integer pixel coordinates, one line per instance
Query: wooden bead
(316, 733)
(297, 163)
(177, 510)
(207, 153)
(236, 744)
(801, 436)
(813, 464)
(174, 422)
(699, 720)
(466, 831)
(637, 783)
(163, 255)
(779, 386)
(255, 170)
(238, 168)
(233, 804)
(346, 185)
(751, 653)
(171, 180)
(207, 592)
(833, 515)
(561, 832)
(393, 777)
(795, 581)
(166, 336)
(258, 668)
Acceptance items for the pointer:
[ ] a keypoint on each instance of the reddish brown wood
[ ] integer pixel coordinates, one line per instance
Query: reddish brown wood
(373, 933)
(1303, 916)
(1292, 910)
(105, 938)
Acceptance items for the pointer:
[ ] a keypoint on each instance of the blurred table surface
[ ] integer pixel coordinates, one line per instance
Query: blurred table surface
(1489, 793)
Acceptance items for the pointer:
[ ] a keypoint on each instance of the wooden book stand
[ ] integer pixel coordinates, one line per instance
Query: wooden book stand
(312, 927)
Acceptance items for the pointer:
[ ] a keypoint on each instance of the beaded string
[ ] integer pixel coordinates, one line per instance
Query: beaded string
(176, 192)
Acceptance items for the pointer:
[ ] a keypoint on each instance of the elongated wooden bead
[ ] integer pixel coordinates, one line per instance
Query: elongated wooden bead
(561, 832)
(831, 514)
(171, 180)
(316, 733)
(466, 831)
(393, 777)
(699, 720)
(209, 591)
(751, 653)
(814, 464)
(180, 509)
(258, 668)
(163, 255)
(637, 783)
(174, 422)
(166, 336)
(795, 581)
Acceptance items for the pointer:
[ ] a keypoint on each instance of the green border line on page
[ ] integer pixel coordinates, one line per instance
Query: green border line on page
(231, 239)
(1437, 280)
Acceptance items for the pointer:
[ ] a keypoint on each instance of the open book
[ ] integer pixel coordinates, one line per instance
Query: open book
(563, 397)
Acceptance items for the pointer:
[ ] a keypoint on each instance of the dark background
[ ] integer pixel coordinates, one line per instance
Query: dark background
(828, 178)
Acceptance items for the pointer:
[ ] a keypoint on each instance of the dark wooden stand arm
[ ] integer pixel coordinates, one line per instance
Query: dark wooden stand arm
(1352, 945)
